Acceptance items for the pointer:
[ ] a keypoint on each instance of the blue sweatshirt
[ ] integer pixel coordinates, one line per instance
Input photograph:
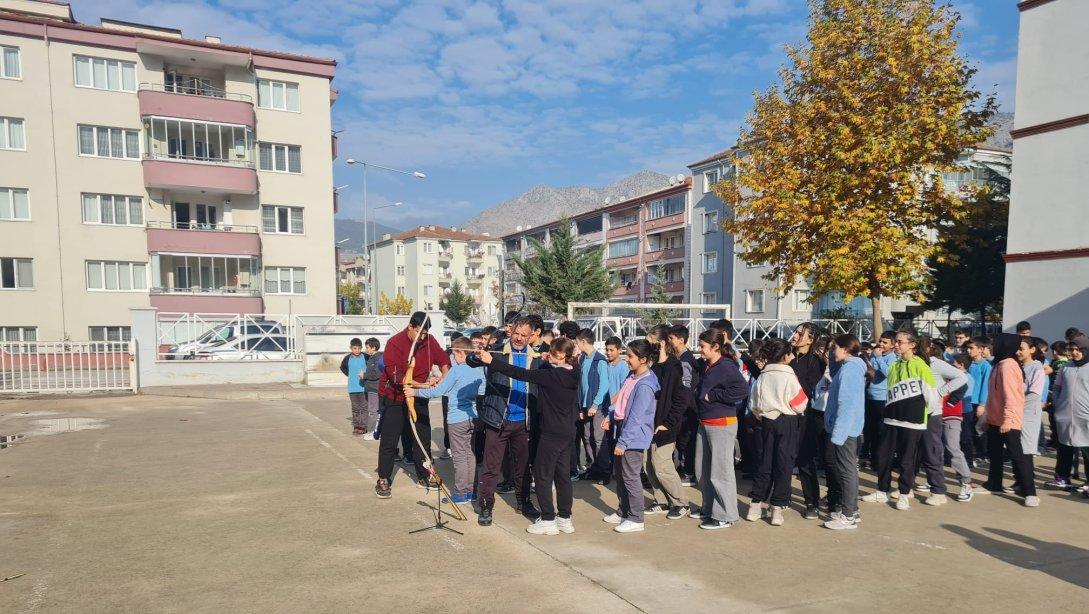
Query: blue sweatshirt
(587, 397)
(636, 430)
(980, 372)
(461, 385)
(846, 409)
(878, 389)
(356, 365)
(617, 374)
(519, 390)
(969, 404)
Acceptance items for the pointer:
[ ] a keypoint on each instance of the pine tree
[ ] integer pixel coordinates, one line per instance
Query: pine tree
(561, 273)
(457, 305)
(656, 316)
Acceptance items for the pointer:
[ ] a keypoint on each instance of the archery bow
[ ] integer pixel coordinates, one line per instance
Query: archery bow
(410, 403)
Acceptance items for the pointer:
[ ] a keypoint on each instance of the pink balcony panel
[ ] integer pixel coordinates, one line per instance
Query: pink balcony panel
(626, 261)
(665, 254)
(674, 286)
(203, 108)
(178, 175)
(622, 291)
(623, 231)
(662, 222)
(171, 241)
(184, 303)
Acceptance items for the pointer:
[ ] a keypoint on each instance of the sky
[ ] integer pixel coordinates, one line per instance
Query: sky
(491, 98)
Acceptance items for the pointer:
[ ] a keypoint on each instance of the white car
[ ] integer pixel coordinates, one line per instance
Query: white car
(250, 347)
(220, 334)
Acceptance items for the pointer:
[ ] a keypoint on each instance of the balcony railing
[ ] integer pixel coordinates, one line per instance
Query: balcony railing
(199, 159)
(219, 227)
(475, 254)
(201, 89)
(446, 253)
(221, 291)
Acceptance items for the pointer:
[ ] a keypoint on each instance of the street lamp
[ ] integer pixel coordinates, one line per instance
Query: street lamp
(353, 161)
(367, 252)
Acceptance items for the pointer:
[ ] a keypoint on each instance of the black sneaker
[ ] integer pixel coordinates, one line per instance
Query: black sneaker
(811, 512)
(678, 512)
(382, 489)
(527, 509)
(711, 524)
(484, 519)
(656, 508)
(504, 488)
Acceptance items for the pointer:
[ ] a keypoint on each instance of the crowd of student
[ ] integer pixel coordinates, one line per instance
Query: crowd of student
(529, 410)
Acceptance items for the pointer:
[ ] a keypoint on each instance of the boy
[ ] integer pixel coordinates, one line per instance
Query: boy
(960, 337)
(967, 433)
(980, 372)
(370, 385)
(547, 337)
(618, 367)
(461, 386)
(690, 379)
(593, 388)
(354, 365)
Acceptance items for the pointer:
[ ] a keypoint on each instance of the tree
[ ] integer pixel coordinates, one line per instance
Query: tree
(656, 316)
(841, 178)
(968, 272)
(398, 306)
(562, 273)
(457, 305)
(351, 292)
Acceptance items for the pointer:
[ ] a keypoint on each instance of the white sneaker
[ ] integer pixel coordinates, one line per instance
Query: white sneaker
(628, 526)
(565, 525)
(613, 518)
(841, 522)
(368, 437)
(904, 502)
(756, 512)
(1032, 501)
(876, 497)
(967, 491)
(543, 527)
(776, 516)
(936, 500)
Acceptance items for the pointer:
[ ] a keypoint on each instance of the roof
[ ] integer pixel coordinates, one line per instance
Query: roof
(719, 156)
(440, 232)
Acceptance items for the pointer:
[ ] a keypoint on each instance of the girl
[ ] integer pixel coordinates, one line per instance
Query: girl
(944, 426)
(1005, 414)
(557, 399)
(633, 415)
(912, 397)
(844, 416)
(665, 483)
(1072, 411)
(1035, 376)
(777, 402)
(722, 391)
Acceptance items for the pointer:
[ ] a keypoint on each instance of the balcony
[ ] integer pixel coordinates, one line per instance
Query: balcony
(474, 254)
(221, 239)
(622, 261)
(665, 221)
(202, 103)
(446, 253)
(190, 155)
(627, 289)
(623, 231)
(206, 284)
(663, 255)
(674, 286)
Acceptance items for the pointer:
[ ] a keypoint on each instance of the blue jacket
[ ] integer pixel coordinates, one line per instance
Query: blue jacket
(722, 391)
(636, 430)
(594, 383)
(846, 409)
(461, 384)
(878, 389)
(980, 371)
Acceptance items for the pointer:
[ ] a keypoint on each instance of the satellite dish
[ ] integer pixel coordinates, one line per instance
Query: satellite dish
(680, 178)
(518, 228)
(672, 180)
(608, 200)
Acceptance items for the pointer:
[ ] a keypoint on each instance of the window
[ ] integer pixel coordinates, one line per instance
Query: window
(400, 290)
(708, 298)
(429, 290)
(710, 262)
(622, 249)
(105, 74)
(491, 250)
(16, 273)
(428, 247)
(710, 222)
(399, 248)
(14, 204)
(104, 142)
(664, 207)
(428, 269)
(12, 134)
(9, 67)
(18, 333)
(280, 158)
(623, 218)
(282, 220)
(285, 280)
(112, 276)
(400, 270)
(113, 210)
(588, 225)
(109, 333)
(801, 300)
(754, 301)
(710, 178)
(513, 245)
(277, 95)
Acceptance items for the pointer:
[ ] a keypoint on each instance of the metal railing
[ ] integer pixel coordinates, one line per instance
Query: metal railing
(203, 90)
(205, 226)
(222, 291)
(66, 366)
(193, 159)
(218, 336)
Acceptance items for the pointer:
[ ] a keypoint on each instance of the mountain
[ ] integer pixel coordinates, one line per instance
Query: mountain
(353, 231)
(545, 204)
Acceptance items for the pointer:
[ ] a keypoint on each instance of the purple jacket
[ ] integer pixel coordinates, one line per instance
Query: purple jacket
(636, 430)
(722, 391)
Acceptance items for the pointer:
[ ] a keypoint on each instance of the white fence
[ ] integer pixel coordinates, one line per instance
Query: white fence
(219, 336)
(66, 366)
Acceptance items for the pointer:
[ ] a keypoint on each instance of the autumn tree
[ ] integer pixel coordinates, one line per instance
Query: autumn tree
(839, 170)
(397, 306)
(457, 305)
(354, 301)
(655, 315)
(560, 272)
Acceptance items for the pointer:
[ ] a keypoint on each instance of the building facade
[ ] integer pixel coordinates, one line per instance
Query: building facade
(141, 168)
(423, 263)
(1047, 251)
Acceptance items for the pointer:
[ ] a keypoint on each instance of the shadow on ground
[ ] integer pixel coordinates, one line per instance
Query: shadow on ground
(1060, 560)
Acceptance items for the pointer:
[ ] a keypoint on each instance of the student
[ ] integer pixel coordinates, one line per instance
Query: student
(354, 365)
(980, 372)
(844, 417)
(1059, 359)
(960, 337)
(372, 348)
(912, 398)
(777, 402)
(1005, 417)
(633, 415)
(877, 391)
(968, 415)
(671, 405)
(722, 392)
(593, 389)
(809, 365)
(1032, 368)
(615, 354)
(461, 385)
(1024, 329)
(547, 337)
(557, 394)
(942, 436)
(1072, 413)
(690, 379)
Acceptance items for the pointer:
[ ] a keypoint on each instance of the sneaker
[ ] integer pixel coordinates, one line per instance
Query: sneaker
(382, 489)
(613, 518)
(712, 525)
(936, 500)
(369, 437)
(504, 488)
(904, 502)
(811, 512)
(841, 522)
(688, 480)
(565, 525)
(1058, 484)
(966, 493)
(457, 499)
(527, 509)
(484, 519)
(1009, 490)
(445, 455)
(1032, 501)
(358, 430)
(695, 512)
(628, 526)
(756, 511)
(894, 495)
(876, 496)
(678, 512)
(923, 489)
(1084, 490)
(776, 516)
(656, 508)
(543, 527)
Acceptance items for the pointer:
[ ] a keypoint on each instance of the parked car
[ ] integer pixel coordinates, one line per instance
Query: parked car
(250, 347)
(219, 335)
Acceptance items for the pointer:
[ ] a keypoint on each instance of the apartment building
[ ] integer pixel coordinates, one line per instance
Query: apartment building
(422, 264)
(1047, 251)
(138, 168)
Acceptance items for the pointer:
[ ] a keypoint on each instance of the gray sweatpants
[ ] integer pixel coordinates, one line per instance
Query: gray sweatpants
(627, 470)
(371, 414)
(933, 454)
(951, 436)
(461, 449)
(847, 473)
(665, 484)
(715, 471)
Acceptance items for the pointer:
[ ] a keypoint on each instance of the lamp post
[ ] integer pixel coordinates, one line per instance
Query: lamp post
(416, 174)
(367, 252)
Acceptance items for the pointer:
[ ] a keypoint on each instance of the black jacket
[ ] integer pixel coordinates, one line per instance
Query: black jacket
(809, 368)
(557, 396)
(690, 378)
(673, 400)
(493, 410)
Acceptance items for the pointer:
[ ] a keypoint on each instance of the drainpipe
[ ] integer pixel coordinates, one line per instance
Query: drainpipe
(56, 183)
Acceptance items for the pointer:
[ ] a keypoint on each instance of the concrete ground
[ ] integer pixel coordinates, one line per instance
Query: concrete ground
(175, 504)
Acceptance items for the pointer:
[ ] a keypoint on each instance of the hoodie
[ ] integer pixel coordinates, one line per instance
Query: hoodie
(636, 430)
(777, 392)
(845, 411)
(1071, 398)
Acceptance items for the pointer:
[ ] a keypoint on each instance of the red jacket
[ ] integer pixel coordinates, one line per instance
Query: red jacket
(428, 354)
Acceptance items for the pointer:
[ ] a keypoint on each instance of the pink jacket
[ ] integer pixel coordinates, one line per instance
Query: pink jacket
(1006, 395)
